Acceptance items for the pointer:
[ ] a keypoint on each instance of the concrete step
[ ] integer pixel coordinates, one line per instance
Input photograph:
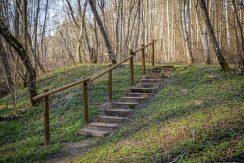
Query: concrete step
(151, 80)
(134, 99)
(138, 94)
(148, 85)
(93, 132)
(121, 112)
(103, 126)
(110, 119)
(143, 90)
(127, 105)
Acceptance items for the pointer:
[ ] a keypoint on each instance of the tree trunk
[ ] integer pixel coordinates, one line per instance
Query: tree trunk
(187, 30)
(103, 32)
(24, 58)
(218, 52)
(204, 36)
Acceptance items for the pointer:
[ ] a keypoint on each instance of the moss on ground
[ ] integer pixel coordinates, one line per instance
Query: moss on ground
(197, 117)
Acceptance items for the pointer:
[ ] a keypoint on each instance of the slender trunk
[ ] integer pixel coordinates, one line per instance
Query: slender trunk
(104, 33)
(204, 36)
(187, 22)
(218, 52)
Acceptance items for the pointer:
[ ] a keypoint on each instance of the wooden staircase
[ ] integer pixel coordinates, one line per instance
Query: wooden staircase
(111, 119)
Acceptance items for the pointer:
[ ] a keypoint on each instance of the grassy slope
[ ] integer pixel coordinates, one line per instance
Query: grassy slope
(199, 116)
(21, 129)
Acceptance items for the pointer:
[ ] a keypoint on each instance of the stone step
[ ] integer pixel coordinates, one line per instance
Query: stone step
(110, 119)
(167, 73)
(138, 94)
(134, 99)
(148, 85)
(143, 90)
(103, 126)
(93, 132)
(153, 76)
(151, 80)
(121, 112)
(164, 67)
(127, 105)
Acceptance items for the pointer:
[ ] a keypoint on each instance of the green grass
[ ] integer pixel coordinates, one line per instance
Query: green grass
(21, 128)
(197, 117)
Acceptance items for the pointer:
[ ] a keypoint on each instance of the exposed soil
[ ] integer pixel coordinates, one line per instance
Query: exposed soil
(71, 151)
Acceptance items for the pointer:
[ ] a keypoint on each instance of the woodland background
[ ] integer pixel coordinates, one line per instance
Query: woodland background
(55, 34)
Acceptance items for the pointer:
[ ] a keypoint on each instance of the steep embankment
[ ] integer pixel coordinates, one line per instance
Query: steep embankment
(197, 116)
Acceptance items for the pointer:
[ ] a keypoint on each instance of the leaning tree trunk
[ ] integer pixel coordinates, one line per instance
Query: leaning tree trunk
(204, 36)
(24, 58)
(218, 52)
(104, 33)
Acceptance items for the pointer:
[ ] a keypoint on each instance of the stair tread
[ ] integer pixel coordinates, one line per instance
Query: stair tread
(126, 103)
(128, 97)
(140, 93)
(145, 88)
(152, 79)
(120, 109)
(112, 117)
(104, 124)
(93, 132)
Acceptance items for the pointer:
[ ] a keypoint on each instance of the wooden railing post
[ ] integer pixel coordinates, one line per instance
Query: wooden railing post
(110, 84)
(131, 68)
(153, 51)
(46, 119)
(143, 60)
(85, 100)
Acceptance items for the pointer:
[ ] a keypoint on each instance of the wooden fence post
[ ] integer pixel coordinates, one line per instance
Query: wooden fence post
(110, 85)
(85, 100)
(131, 68)
(46, 120)
(153, 53)
(143, 60)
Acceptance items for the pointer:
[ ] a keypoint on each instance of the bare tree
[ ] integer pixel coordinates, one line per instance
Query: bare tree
(103, 32)
(218, 52)
(24, 58)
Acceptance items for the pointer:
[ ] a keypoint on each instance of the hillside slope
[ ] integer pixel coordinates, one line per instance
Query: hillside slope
(21, 128)
(197, 116)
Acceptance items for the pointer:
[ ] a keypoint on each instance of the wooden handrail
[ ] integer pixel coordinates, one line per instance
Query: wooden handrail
(88, 80)
(118, 64)
(143, 47)
(60, 89)
(109, 69)
(85, 83)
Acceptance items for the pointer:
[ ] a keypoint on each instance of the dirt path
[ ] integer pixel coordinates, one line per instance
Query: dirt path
(71, 151)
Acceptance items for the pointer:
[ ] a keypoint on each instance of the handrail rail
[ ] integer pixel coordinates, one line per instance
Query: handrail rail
(60, 89)
(145, 46)
(114, 66)
(109, 69)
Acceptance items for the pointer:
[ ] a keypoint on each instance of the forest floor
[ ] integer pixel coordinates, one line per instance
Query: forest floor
(197, 116)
